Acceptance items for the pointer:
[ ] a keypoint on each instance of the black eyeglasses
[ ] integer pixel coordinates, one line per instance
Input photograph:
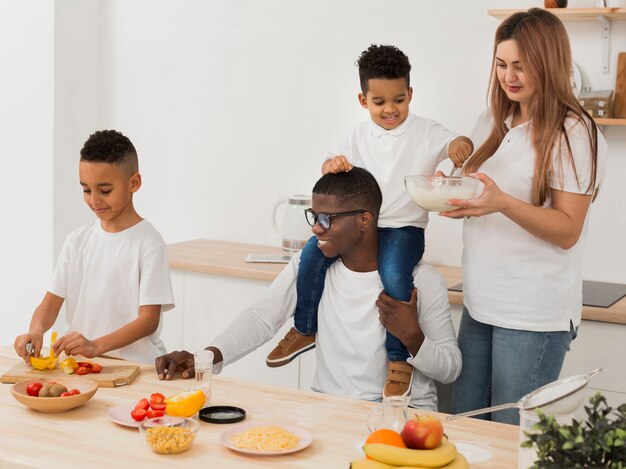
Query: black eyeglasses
(324, 219)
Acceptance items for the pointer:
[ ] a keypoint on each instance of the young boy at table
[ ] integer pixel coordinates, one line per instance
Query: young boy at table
(392, 144)
(113, 273)
(354, 312)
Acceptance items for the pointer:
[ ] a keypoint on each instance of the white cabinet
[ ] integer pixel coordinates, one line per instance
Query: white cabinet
(600, 345)
(205, 305)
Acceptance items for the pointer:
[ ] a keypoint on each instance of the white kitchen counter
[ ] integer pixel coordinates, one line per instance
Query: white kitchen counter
(229, 259)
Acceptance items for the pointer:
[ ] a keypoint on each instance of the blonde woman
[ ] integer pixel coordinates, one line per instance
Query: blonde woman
(541, 159)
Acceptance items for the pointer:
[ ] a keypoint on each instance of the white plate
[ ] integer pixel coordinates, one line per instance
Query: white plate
(121, 414)
(305, 438)
(474, 453)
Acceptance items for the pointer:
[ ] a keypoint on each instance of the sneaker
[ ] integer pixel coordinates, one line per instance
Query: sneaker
(289, 348)
(399, 379)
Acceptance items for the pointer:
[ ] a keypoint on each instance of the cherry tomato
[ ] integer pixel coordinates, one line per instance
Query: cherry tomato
(138, 414)
(96, 368)
(154, 413)
(64, 394)
(73, 392)
(33, 389)
(82, 370)
(157, 401)
(142, 404)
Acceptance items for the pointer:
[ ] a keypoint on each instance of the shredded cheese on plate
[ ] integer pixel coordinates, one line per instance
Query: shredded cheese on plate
(266, 438)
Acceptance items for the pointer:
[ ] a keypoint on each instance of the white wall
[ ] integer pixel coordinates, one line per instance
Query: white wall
(26, 132)
(232, 103)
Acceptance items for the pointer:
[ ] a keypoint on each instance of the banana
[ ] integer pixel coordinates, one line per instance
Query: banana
(397, 456)
(458, 463)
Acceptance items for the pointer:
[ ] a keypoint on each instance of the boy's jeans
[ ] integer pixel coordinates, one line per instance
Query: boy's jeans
(503, 365)
(399, 251)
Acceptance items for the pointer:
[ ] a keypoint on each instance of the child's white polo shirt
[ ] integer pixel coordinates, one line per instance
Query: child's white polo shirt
(415, 147)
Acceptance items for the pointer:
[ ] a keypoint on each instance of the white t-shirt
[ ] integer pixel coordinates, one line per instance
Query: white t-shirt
(415, 147)
(350, 342)
(511, 278)
(105, 278)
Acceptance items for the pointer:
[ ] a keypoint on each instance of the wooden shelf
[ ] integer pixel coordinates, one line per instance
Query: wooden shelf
(617, 122)
(571, 14)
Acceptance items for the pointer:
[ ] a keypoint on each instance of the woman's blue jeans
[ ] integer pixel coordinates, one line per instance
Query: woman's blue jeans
(399, 251)
(503, 365)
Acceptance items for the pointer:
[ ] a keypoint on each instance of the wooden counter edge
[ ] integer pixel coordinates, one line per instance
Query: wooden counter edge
(229, 259)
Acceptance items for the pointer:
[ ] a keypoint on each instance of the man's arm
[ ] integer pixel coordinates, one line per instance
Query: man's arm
(424, 326)
(439, 356)
(251, 328)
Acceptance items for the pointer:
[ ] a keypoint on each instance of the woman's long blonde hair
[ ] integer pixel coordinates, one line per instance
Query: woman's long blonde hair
(545, 54)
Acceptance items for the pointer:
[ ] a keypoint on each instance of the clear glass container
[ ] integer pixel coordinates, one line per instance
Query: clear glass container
(392, 414)
(204, 369)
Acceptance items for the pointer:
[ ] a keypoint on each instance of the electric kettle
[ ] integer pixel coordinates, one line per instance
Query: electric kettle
(294, 231)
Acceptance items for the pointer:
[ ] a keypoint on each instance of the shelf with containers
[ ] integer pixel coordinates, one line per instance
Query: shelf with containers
(602, 15)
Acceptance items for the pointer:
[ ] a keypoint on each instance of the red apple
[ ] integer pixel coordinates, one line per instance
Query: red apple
(422, 432)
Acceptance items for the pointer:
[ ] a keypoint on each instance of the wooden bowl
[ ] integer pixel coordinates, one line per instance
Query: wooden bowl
(87, 388)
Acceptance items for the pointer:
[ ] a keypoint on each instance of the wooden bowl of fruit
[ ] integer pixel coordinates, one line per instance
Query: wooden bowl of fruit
(54, 394)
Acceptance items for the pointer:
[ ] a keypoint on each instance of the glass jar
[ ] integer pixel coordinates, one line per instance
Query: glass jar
(392, 414)
(203, 363)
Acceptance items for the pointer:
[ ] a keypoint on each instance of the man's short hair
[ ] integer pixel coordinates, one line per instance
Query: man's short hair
(110, 146)
(357, 189)
(383, 61)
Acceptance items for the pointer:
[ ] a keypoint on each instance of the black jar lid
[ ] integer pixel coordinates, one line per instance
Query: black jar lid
(222, 414)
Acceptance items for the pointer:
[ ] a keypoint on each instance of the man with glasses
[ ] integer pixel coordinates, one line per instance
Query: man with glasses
(354, 312)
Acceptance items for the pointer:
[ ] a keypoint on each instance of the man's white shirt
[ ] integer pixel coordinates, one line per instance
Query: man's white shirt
(350, 343)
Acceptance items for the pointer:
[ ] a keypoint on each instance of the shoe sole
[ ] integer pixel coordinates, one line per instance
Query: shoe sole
(288, 359)
(408, 391)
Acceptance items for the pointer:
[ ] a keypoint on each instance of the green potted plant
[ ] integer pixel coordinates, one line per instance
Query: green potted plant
(597, 442)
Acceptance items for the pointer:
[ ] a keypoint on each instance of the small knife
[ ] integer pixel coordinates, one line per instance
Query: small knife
(30, 349)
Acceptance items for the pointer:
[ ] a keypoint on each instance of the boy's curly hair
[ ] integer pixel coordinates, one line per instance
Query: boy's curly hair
(383, 61)
(356, 189)
(110, 146)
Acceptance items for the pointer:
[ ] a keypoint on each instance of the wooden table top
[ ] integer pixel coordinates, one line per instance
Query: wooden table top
(229, 259)
(86, 437)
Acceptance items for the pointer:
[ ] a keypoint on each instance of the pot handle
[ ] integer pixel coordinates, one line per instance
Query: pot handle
(278, 203)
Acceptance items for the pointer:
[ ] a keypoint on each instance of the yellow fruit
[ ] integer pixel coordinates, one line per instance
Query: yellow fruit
(43, 363)
(68, 365)
(184, 403)
(436, 457)
(46, 363)
(458, 463)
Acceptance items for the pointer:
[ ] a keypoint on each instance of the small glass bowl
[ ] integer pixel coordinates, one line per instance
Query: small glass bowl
(169, 435)
(432, 192)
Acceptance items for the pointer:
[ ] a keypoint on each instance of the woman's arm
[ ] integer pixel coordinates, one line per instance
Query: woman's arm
(560, 224)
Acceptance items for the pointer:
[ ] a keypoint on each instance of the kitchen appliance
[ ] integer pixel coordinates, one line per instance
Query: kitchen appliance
(293, 229)
(561, 397)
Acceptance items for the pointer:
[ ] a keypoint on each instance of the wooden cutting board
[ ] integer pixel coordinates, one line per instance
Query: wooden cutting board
(110, 376)
(619, 103)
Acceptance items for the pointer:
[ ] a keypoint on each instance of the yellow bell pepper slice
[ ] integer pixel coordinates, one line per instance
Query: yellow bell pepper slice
(185, 403)
(69, 365)
(46, 363)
